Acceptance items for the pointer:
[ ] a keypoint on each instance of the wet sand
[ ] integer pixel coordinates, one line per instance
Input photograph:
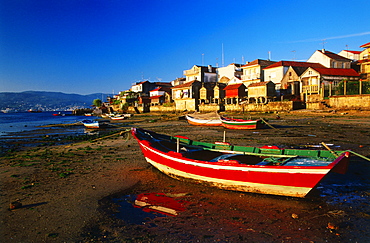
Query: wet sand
(66, 191)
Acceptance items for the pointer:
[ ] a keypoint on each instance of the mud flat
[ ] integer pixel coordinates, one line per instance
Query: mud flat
(72, 193)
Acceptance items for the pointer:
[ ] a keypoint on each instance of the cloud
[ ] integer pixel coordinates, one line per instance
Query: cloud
(347, 36)
(332, 38)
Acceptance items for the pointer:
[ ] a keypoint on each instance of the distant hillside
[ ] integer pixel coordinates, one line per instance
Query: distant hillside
(42, 100)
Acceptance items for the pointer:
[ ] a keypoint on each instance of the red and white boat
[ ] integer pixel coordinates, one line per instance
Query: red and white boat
(266, 170)
(208, 119)
(232, 123)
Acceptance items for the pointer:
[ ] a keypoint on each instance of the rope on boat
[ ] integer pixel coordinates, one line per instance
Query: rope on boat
(359, 155)
(331, 151)
(268, 124)
(336, 155)
(121, 133)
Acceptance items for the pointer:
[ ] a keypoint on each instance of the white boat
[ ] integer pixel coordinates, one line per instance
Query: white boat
(208, 119)
(93, 124)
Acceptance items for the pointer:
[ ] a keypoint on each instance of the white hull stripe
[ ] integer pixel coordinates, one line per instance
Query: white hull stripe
(236, 185)
(280, 169)
(197, 121)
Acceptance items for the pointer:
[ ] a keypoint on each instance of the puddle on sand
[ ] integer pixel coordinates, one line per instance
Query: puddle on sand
(348, 194)
(137, 209)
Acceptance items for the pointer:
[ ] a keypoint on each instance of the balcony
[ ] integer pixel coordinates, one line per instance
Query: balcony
(251, 76)
(191, 72)
(311, 89)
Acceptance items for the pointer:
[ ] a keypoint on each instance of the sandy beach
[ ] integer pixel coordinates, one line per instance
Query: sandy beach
(65, 192)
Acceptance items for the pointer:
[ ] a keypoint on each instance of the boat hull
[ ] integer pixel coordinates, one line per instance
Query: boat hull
(294, 181)
(117, 118)
(92, 124)
(241, 124)
(203, 122)
(227, 184)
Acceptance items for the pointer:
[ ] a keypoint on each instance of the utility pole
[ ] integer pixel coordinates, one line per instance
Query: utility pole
(223, 61)
(293, 55)
(323, 44)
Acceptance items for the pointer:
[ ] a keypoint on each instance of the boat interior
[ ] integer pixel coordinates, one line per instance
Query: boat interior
(238, 154)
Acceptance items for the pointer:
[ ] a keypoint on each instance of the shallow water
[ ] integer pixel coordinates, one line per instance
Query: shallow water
(27, 121)
(26, 129)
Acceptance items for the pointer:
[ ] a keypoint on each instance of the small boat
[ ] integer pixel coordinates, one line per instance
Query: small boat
(208, 119)
(117, 117)
(34, 111)
(93, 124)
(127, 115)
(265, 170)
(232, 123)
(7, 110)
(59, 114)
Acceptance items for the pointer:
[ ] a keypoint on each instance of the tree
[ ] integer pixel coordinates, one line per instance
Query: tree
(97, 102)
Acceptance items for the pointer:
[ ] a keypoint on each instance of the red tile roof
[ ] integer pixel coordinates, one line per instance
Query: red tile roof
(367, 45)
(163, 83)
(142, 82)
(184, 85)
(295, 64)
(157, 89)
(333, 55)
(258, 84)
(156, 97)
(260, 62)
(232, 86)
(354, 52)
(337, 71)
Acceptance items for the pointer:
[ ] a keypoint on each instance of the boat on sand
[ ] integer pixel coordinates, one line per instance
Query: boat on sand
(266, 170)
(93, 124)
(207, 119)
(231, 123)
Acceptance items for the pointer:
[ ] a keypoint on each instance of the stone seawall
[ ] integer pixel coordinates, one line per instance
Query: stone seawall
(358, 102)
(342, 102)
(272, 106)
(314, 102)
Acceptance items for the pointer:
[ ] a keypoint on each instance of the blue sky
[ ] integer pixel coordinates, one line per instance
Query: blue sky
(90, 46)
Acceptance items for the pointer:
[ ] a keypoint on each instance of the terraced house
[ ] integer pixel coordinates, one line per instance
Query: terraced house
(325, 76)
(365, 62)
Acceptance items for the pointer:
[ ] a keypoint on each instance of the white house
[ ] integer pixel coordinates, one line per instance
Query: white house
(353, 55)
(276, 71)
(313, 78)
(201, 73)
(329, 59)
(253, 71)
(230, 71)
